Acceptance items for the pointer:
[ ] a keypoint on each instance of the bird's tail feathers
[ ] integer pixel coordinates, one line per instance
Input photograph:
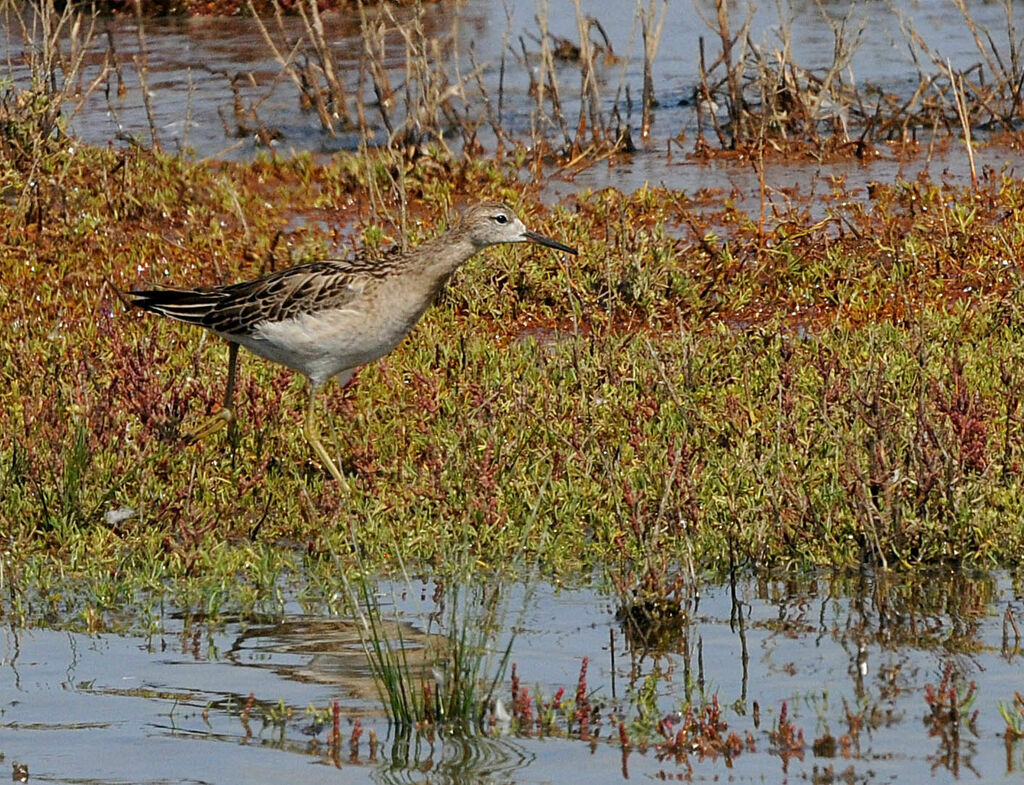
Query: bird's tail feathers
(184, 305)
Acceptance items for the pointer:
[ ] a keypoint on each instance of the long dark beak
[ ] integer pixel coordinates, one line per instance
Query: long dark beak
(540, 239)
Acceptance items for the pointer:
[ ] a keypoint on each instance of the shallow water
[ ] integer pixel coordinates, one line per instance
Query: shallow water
(168, 707)
(191, 62)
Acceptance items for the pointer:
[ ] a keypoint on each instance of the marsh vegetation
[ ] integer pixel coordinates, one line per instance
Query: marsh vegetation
(722, 383)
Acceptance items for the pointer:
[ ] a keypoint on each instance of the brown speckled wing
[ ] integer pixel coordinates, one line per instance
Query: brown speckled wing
(238, 309)
(281, 296)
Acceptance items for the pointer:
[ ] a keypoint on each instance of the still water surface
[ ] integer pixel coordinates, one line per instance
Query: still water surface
(168, 706)
(190, 65)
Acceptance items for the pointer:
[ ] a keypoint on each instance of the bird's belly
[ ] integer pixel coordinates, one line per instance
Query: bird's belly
(325, 344)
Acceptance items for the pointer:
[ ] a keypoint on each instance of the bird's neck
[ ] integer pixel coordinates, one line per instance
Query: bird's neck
(443, 255)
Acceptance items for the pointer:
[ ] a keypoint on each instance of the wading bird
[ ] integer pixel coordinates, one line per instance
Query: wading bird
(327, 318)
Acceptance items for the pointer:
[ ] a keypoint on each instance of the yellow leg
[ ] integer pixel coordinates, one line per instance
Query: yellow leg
(226, 415)
(313, 437)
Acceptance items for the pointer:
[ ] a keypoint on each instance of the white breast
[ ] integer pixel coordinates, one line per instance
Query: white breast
(327, 343)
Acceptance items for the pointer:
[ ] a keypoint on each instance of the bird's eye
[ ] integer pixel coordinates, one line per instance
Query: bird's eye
(501, 218)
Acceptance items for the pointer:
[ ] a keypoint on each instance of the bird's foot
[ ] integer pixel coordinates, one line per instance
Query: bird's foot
(224, 416)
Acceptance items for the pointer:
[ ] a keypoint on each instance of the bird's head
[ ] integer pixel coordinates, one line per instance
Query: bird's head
(490, 223)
